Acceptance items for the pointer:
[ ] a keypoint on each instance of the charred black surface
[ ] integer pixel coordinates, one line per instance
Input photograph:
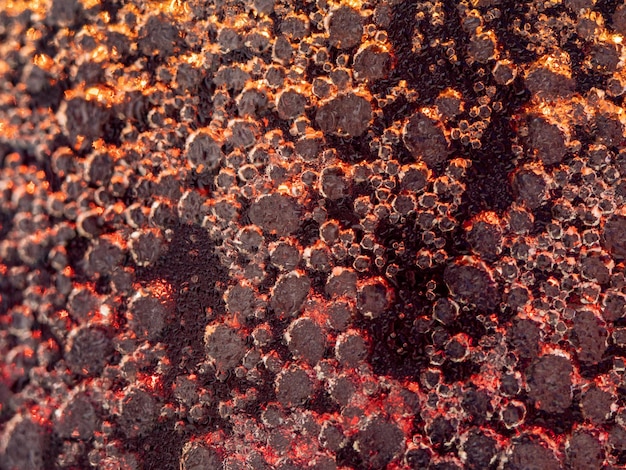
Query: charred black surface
(194, 272)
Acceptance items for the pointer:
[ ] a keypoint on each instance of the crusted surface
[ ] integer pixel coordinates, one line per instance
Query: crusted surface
(356, 235)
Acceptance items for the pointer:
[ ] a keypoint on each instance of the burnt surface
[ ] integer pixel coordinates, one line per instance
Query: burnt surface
(401, 246)
(430, 73)
(193, 271)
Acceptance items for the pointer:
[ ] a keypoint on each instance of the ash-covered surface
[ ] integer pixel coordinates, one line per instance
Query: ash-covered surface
(312, 235)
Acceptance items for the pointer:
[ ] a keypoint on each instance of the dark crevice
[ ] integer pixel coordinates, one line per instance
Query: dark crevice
(510, 41)
(398, 346)
(607, 8)
(193, 270)
(585, 78)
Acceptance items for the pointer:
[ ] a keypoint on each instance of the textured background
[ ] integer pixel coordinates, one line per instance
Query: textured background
(293, 235)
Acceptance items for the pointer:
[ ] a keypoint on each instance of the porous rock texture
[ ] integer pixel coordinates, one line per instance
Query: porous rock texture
(365, 234)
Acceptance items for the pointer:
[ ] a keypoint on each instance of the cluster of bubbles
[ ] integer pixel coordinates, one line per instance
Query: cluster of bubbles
(317, 234)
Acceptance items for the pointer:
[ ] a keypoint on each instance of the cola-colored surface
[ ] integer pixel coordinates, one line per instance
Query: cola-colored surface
(258, 234)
